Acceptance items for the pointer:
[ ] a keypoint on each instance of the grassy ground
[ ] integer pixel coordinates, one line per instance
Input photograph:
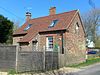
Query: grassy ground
(87, 63)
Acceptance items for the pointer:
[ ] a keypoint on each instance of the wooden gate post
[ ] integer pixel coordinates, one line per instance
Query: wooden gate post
(44, 58)
(17, 50)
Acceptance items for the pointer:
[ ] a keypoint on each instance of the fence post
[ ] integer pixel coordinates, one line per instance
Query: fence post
(44, 59)
(17, 49)
(59, 61)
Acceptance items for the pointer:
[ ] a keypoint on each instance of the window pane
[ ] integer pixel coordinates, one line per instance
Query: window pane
(50, 42)
(50, 45)
(50, 38)
(29, 25)
(54, 22)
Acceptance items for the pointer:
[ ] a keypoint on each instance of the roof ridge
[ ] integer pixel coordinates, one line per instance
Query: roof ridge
(54, 14)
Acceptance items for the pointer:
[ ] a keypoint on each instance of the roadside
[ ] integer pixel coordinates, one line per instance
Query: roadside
(61, 71)
(90, 70)
(89, 66)
(87, 63)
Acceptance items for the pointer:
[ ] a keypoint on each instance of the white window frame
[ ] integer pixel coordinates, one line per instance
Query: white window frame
(48, 43)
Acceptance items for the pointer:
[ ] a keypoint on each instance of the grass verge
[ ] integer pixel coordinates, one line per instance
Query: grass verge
(87, 63)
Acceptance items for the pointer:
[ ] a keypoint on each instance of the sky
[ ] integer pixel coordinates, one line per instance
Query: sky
(15, 9)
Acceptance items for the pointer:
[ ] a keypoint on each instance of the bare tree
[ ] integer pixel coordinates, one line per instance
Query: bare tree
(16, 25)
(91, 21)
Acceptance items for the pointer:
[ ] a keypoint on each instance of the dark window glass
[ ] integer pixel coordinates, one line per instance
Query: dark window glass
(28, 27)
(54, 22)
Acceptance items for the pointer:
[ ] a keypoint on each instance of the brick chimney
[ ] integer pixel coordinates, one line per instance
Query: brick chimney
(52, 11)
(28, 16)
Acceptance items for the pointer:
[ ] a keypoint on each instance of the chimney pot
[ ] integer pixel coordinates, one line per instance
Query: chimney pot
(28, 16)
(52, 10)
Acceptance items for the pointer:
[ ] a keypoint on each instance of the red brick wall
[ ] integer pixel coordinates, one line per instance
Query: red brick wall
(56, 40)
(75, 43)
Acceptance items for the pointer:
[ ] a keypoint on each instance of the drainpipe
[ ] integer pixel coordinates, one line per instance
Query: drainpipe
(62, 43)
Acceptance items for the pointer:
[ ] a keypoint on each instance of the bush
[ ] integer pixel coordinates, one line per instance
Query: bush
(11, 72)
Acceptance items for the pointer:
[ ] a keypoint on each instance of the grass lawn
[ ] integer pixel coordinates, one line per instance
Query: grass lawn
(87, 63)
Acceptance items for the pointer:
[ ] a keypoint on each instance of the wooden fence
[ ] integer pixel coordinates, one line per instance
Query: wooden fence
(37, 61)
(7, 57)
(11, 57)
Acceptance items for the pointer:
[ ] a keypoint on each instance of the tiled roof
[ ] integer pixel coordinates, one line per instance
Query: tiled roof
(42, 24)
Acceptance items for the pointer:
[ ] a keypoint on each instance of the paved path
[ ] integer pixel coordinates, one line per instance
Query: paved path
(91, 70)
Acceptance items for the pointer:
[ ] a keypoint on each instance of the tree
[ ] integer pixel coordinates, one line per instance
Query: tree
(97, 42)
(91, 21)
(16, 25)
(6, 30)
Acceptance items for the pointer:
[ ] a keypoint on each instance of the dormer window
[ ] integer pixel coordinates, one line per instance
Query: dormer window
(54, 22)
(29, 25)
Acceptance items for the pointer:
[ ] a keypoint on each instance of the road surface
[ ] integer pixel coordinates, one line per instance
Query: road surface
(92, 70)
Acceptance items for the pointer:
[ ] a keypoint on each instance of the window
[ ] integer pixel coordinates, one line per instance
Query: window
(77, 25)
(35, 45)
(77, 28)
(29, 25)
(49, 43)
(54, 22)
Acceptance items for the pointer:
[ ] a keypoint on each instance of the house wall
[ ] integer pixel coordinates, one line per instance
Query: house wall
(22, 46)
(16, 39)
(75, 43)
(31, 46)
(26, 46)
(57, 41)
(42, 44)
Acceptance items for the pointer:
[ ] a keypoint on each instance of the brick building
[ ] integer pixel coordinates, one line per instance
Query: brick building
(62, 32)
